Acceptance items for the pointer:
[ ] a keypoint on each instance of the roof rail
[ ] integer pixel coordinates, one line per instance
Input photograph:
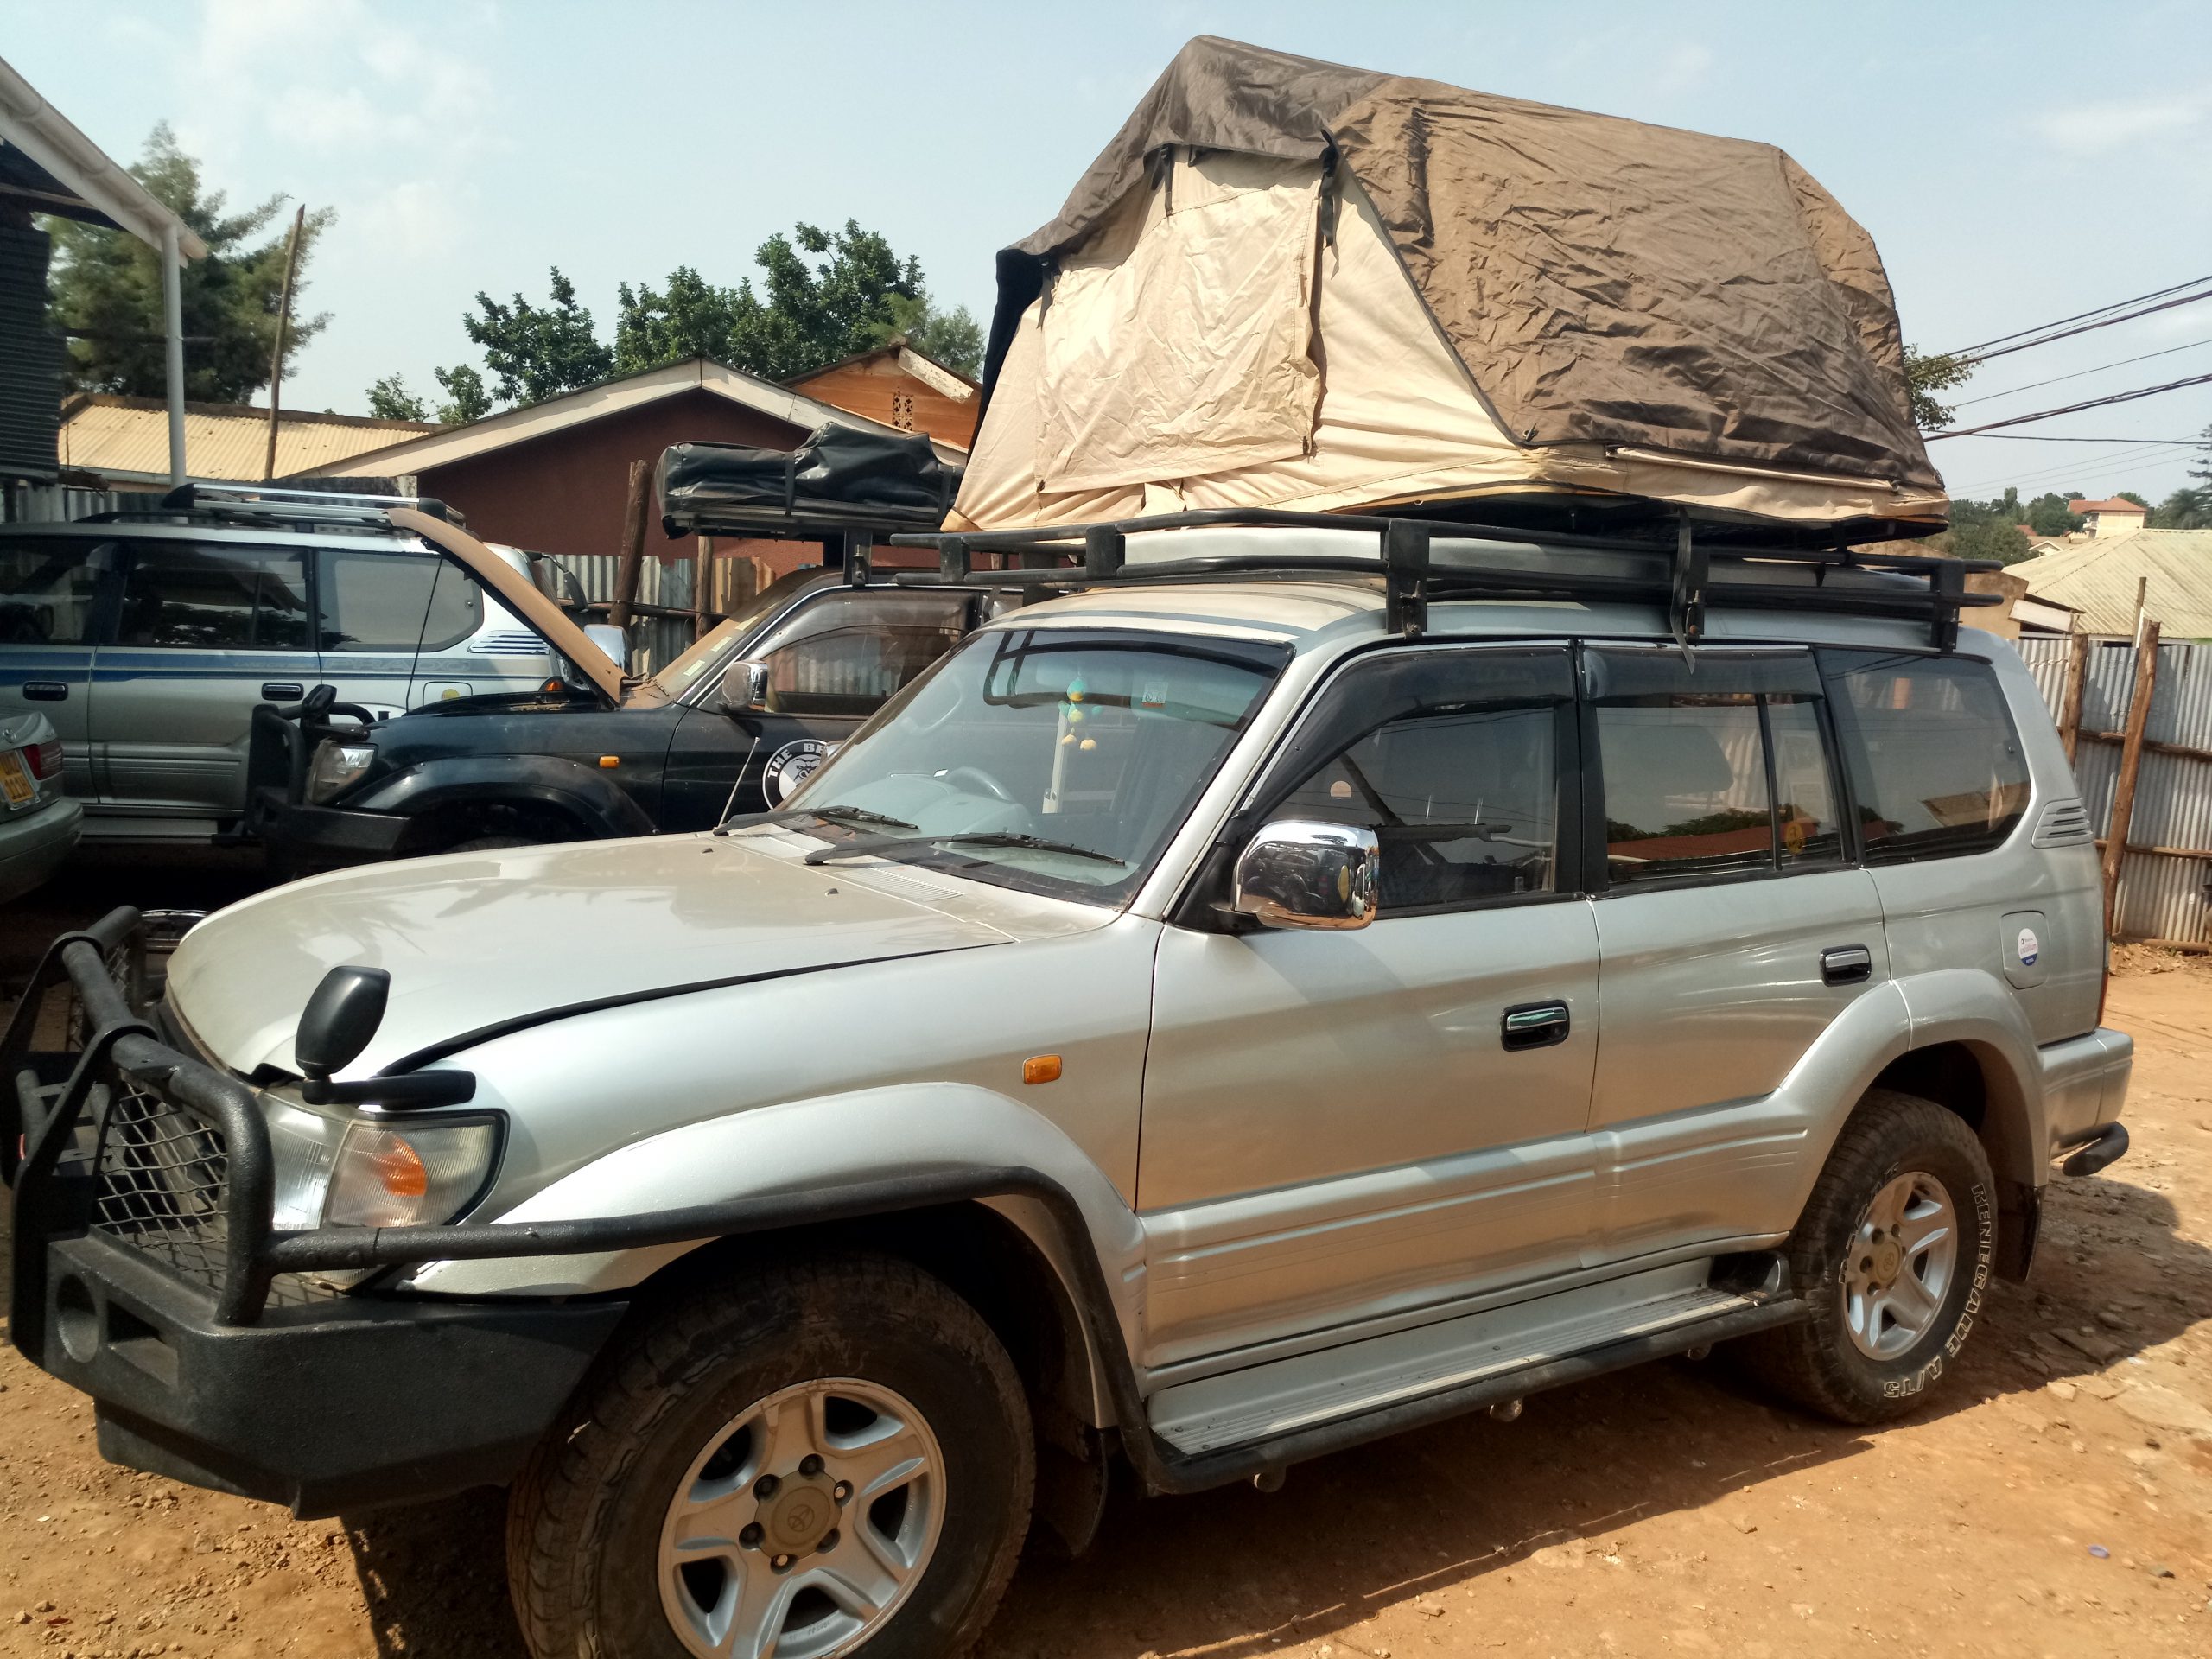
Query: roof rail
(260, 504)
(338, 507)
(1676, 572)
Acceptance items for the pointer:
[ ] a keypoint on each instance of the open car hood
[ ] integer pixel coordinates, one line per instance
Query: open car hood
(545, 619)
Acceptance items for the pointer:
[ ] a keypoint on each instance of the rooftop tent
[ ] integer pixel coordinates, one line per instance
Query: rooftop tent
(1290, 284)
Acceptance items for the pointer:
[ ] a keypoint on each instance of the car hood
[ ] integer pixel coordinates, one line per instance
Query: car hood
(548, 620)
(480, 940)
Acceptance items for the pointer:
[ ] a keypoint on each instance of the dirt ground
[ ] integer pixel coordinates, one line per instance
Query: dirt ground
(2055, 1499)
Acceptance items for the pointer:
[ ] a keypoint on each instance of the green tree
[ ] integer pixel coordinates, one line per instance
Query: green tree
(814, 315)
(1984, 530)
(2053, 514)
(1926, 376)
(690, 318)
(953, 338)
(390, 400)
(822, 295)
(106, 291)
(2187, 508)
(467, 400)
(2130, 495)
(537, 352)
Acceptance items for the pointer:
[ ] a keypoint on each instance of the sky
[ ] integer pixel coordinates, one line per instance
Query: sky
(2016, 163)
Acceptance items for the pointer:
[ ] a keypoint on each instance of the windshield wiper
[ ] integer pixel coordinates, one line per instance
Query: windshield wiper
(858, 815)
(883, 845)
(855, 814)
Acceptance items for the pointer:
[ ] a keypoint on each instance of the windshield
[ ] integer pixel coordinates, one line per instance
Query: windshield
(1055, 759)
(673, 681)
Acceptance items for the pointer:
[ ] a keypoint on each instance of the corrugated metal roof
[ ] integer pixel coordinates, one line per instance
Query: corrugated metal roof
(2099, 578)
(129, 438)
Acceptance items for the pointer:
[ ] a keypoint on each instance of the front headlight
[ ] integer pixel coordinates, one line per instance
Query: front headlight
(336, 1168)
(336, 767)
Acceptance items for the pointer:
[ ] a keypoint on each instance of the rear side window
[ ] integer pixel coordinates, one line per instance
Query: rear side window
(1934, 758)
(203, 595)
(396, 603)
(1711, 772)
(47, 590)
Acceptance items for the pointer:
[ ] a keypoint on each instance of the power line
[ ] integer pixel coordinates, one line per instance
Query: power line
(2079, 316)
(2039, 438)
(2073, 465)
(2033, 385)
(2072, 409)
(1980, 357)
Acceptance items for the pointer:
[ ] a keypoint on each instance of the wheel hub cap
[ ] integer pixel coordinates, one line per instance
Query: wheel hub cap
(1903, 1257)
(803, 1524)
(799, 1516)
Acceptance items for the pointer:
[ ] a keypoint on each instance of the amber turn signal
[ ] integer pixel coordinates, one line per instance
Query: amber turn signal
(1042, 1067)
(610, 760)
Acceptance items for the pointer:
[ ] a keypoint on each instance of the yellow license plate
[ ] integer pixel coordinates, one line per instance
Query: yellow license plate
(15, 782)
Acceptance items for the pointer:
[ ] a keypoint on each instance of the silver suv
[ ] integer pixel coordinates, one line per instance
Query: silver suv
(147, 638)
(1282, 991)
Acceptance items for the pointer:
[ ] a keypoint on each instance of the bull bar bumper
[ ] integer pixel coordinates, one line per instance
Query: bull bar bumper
(147, 1273)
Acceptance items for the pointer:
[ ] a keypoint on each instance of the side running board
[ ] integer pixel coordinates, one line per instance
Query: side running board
(1220, 1428)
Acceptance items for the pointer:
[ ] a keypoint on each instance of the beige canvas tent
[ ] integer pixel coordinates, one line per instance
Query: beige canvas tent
(1288, 284)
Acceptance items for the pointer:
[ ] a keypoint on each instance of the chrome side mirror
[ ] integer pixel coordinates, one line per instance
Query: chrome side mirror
(1300, 873)
(745, 689)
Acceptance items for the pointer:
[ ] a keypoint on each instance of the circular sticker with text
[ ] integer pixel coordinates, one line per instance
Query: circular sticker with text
(792, 765)
(2029, 946)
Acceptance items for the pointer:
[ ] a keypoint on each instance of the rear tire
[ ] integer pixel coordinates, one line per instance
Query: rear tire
(1893, 1251)
(679, 1506)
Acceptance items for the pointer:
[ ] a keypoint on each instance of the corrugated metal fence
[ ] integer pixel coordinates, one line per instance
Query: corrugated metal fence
(656, 641)
(2166, 881)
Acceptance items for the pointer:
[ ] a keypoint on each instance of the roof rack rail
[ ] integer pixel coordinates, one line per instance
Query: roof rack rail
(1415, 572)
(200, 494)
(252, 503)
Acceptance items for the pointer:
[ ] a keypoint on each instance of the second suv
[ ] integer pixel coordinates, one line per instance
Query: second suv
(147, 637)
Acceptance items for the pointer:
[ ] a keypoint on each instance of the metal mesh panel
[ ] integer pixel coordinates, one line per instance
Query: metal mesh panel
(163, 1178)
(163, 1188)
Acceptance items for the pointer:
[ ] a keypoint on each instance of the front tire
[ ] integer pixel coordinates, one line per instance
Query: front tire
(1893, 1251)
(828, 1458)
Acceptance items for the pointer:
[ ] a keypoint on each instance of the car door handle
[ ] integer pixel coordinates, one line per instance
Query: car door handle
(46, 692)
(1533, 1025)
(283, 690)
(1846, 964)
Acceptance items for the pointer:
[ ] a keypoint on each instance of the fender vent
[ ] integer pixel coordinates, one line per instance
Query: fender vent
(2065, 823)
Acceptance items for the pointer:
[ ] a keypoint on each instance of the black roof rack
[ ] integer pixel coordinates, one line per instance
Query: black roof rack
(263, 505)
(1677, 573)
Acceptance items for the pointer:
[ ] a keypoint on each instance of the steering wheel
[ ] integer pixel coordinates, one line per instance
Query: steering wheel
(984, 782)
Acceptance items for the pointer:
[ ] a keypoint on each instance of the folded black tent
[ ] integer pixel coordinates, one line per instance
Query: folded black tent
(841, 479)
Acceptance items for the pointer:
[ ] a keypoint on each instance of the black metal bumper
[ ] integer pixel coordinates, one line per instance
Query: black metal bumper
(340, 1405)
(147, 1272)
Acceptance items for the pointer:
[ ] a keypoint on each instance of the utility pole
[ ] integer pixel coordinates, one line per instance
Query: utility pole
(173, 328)
(283, 321)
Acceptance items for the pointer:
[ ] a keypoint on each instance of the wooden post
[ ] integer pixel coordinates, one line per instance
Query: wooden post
(2069, 703)
(702, 573)
(631, 556)
(283, 322)
(2131, 763)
